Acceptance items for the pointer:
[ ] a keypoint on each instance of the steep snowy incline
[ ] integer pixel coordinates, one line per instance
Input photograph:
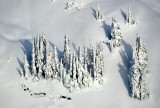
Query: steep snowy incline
(21, 19)
(10, 51)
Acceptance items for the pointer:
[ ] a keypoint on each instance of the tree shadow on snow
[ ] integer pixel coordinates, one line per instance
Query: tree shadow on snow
(21, 66)
(123, 14)
(107, 29)
(124, 68)
(93, 12)
(60, 53)
(76, 50)
(108, 45)
(27, 49)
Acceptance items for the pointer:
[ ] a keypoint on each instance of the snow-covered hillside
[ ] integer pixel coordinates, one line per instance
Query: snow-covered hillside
(20, 20)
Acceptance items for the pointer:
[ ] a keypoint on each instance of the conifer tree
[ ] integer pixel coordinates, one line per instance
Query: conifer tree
(74, 73)
(139, 71)
(100, 62)
(66, 53)
(56, 64)
(116, 37)
(99, 14)
(61, 70)
(33, 65)
(26, 67)
(48, 65)
(129, 18)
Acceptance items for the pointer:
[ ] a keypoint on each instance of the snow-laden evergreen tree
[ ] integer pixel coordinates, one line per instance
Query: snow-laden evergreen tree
(33, 65)
(81, 57)
(26, 67)
(70, 65)
(85, 62)
(129, 18)
(47, 68)
(99, 14)
(74, 73)
(85, 71)
(68, 76)
(99, 64)
(61, 70)
(95, 66)
(66, 53)
(35, 61)
(86, 78)
(116, 37)
(139, 71)
(41, 55)
(56, 64)
(80, 69)
(90, 55)
(48, 65)
(84, 68)
(68, 82)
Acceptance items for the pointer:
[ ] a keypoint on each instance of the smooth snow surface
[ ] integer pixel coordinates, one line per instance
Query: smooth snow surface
(20, 20)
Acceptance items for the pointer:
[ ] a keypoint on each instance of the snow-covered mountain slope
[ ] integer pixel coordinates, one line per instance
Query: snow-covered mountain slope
(21, 19)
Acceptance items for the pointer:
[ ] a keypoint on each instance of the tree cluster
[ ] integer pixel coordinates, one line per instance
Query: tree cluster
(73, 70)
(85, 67)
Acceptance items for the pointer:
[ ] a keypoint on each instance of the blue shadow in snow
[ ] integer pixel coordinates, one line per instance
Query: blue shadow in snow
(126, 56)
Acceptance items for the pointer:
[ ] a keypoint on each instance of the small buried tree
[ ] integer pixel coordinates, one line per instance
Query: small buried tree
(129, 19)
(99, 14)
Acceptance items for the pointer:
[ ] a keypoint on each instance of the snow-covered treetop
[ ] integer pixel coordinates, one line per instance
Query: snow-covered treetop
(140, 55)
(115, 24)
(129, 11)
(66, 43)
(99, 14)
(98, 8)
